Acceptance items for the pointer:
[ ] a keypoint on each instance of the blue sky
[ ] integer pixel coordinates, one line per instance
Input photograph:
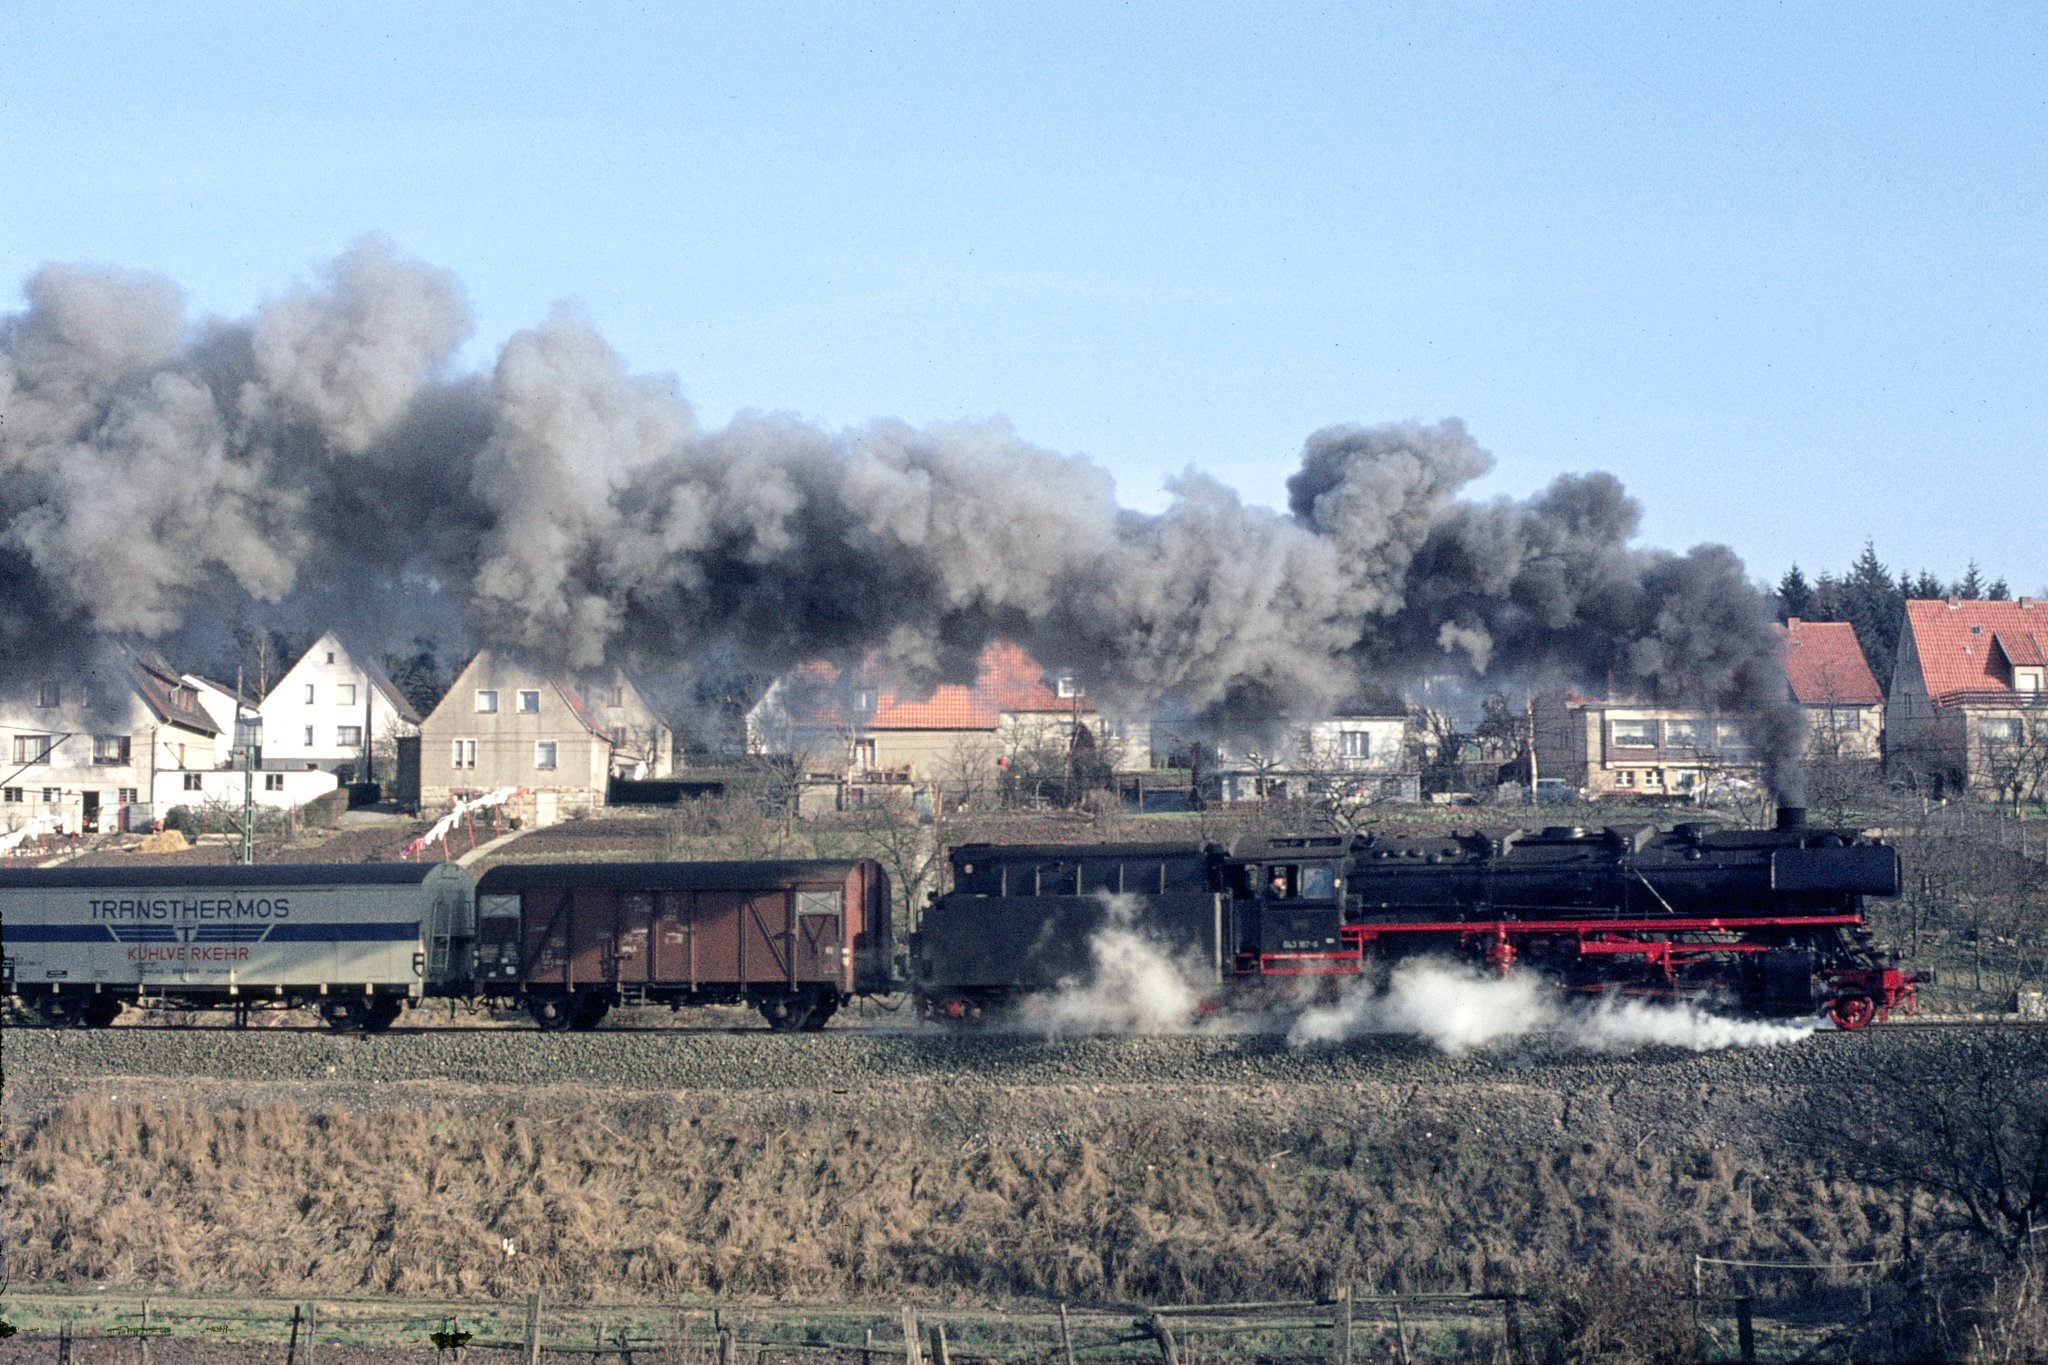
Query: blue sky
(1779, 267)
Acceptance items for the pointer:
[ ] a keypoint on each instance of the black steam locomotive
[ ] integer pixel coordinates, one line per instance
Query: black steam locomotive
(1767, 922)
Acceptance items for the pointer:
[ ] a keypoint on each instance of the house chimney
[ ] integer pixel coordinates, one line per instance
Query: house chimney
(2026, 604)
(1791, 623)
(1791, 818)
(1954, 601)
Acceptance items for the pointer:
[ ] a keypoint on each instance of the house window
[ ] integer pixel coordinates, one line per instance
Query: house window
(544, 753)
(330, 656)
(1999, 729)
(1066, 686)
(618, 736)
(345, 694)
(126, 796)
(49, 694)
(864, 701)
(529, 703)
(1731, 735)
(1681, 734)
(864, 755)
(617, 696)
(465, 753)
(1625, 777)
(1634, 734)
(309, 736)
(2026, 680)
(349, 736)
(309, 694)
(1844, 719)
(51, 796)
(109, 749)
(12, 795)
(273, 782)
(487, 701)
(1354, 743)
(192, 782)
(32, 749)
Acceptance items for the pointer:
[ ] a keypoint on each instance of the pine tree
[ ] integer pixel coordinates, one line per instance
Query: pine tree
(1998, 591)
(1795, 595)
(1827, 598)
(1926, 588)
(1970, 587)
(1873, 604)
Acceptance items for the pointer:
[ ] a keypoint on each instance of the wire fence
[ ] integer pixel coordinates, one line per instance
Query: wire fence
(1735, 1321)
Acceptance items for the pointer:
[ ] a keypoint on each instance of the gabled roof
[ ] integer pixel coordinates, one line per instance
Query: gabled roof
(232, 694)
(1825, 665)
(169, 697)
(373, 674)
(1008, 681)
(578, 705)
(2021, 651)
(1970, 647)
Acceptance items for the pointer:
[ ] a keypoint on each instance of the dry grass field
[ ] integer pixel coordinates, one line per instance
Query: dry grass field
(1097, 1178)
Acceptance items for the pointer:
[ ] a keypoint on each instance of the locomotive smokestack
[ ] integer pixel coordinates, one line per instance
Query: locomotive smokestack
(1791, 818)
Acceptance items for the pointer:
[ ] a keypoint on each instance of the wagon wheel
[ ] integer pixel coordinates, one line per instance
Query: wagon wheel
(345, 1014)
(60, 1010)
(821, 1011)
(383, 1013)
(550, 1011)
(786, 1013)
(1852, 1011)
(101, 1012)
(589, 1011)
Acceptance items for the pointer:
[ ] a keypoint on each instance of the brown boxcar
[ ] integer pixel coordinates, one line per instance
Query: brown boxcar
(794, 939)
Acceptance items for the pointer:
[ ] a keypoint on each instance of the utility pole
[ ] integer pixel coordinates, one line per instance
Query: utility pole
(248, 738)
(1530, 712)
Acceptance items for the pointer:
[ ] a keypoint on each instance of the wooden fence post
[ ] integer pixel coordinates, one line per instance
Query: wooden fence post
(533, 1329)
(725, 1347)
(1343, 1325)
(1511, 1321)
(1164, 1336)
(910, 1351)
(1745, 1331)
(1066, 1336)
(312, 1330)
(144, 1353)
(940, 1356)
(867, 1346)
(1400, 1333)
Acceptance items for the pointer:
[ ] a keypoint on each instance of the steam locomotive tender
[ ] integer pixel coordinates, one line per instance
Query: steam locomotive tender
(1767, 922)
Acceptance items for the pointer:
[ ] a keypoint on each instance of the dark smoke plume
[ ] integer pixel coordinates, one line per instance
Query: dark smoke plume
(160, 474)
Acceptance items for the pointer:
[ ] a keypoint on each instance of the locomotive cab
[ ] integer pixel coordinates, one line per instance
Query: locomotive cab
(1288, 901)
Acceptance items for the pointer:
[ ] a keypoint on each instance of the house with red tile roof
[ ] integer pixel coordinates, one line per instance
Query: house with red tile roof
(1625, 746)
(503, 724)
(1968, 706)
(1833, 684)
(1642, 748)
(854, 727)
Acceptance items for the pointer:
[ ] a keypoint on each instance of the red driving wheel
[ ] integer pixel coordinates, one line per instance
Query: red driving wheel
(1852, 1011)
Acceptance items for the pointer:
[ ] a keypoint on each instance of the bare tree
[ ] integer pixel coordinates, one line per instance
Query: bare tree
(2013, 755)
(1973, 1139)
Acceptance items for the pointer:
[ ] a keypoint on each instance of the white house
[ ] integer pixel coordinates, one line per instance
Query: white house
(1365, 756)
(101, 749)
(335, 709)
